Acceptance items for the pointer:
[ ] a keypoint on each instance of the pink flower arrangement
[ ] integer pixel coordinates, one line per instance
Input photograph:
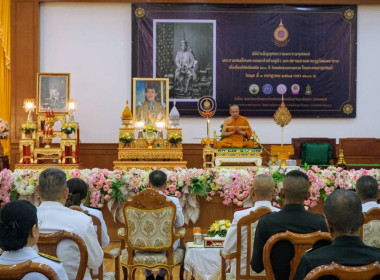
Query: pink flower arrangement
(231, 184)
(6, 185)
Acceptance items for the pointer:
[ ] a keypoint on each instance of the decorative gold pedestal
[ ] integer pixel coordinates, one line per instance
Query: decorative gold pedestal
(282, 152)
(238, 157)
(148, 165)
(41, 167)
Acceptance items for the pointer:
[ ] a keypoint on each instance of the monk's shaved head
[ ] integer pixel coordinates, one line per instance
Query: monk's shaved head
(296, 187)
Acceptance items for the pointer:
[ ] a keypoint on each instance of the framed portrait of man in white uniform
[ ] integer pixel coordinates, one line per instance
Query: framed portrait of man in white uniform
(53, 92)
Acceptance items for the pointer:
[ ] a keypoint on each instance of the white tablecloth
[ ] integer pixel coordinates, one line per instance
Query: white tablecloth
(202, 263)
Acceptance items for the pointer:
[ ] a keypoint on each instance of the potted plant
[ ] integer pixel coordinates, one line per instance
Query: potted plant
(175, 138)
(68, 128)
(126, 138)
(28, 128)
(4, 129)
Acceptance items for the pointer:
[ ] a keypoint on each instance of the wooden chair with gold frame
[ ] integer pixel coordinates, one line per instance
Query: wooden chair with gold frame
(345, 272)
(249, 223)
(300, 242)
(369, 231)
(18, 271)
(149, 235)
(48, 242)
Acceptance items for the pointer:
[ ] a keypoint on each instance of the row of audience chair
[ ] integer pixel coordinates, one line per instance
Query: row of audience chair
(149, 205)
(301, 243)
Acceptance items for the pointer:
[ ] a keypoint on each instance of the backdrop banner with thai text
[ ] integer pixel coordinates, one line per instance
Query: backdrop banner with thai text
(250, 55)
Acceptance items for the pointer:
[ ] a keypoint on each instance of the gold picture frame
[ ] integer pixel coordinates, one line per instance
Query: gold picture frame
(53, 92)
(155, 90)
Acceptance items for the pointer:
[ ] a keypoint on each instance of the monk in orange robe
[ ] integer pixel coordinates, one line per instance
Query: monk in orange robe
(236, 131)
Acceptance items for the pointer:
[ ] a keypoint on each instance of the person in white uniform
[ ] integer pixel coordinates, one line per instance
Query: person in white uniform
(157, 181)
(367, 189)
(53, 192)
(78, 190)
(19, 232)
(262, 192)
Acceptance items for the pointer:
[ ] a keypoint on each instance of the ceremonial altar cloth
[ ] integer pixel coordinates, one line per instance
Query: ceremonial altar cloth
(202, 263)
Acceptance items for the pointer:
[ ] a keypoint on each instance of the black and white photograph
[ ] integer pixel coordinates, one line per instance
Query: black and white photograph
(53, 92)
(184, 52)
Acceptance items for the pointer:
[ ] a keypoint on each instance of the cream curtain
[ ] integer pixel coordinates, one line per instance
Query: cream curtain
(5, 67)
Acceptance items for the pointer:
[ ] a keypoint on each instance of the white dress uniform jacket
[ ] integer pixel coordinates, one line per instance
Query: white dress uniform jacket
(179, 219)
(231, 237)
(28, 253)
(97, 213)
(55, 217)
(369, 205)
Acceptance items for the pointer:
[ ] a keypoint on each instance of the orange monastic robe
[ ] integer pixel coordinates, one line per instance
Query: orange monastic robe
(237, 140)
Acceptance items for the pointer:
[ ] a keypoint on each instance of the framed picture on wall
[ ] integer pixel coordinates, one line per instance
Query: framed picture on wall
(150, 101)
(53, 92)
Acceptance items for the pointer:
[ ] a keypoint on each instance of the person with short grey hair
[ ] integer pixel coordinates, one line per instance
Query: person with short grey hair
(367, 189)
(54, 216)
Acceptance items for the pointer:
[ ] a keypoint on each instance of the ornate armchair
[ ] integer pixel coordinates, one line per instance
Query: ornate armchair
(244, 251)
(48, 242)
(345, 272)
(149, 235)
(18, 271)
(301, 152)
(371, 227)
(300, 242)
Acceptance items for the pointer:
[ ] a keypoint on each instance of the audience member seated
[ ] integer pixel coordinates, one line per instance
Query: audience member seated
(77, 196)
(236, 131)
(292, 217)
(19, 232)
(368, 190)
(262, 192)
(157, 181)
(53, 192)
(343, 212)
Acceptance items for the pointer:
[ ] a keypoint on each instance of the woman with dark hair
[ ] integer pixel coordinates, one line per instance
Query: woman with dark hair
(19, 232)
(77, 196)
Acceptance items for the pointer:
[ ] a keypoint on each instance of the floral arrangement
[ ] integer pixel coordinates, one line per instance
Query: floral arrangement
(4, 129)
(175, 138)
(187, 184)
(28, 127)
(126, 137)
(68, 127)
(219, 228)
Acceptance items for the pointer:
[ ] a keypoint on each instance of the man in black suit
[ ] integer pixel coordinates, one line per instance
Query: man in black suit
(292, 217)
(343, 212)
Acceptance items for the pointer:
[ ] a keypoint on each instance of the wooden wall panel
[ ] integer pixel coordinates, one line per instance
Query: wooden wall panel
(24, 59)
(360, 150)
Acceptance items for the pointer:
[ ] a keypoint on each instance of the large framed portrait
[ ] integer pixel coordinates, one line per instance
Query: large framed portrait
(53, 92)
(151, 100)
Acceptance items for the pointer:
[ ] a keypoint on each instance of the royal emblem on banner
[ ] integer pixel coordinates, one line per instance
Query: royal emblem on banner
(207, 106)
(348, 109)
(349, 14)
(281, 35)
(140, 12)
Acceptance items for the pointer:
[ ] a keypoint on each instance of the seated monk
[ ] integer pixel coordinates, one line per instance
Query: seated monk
(236, 131)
